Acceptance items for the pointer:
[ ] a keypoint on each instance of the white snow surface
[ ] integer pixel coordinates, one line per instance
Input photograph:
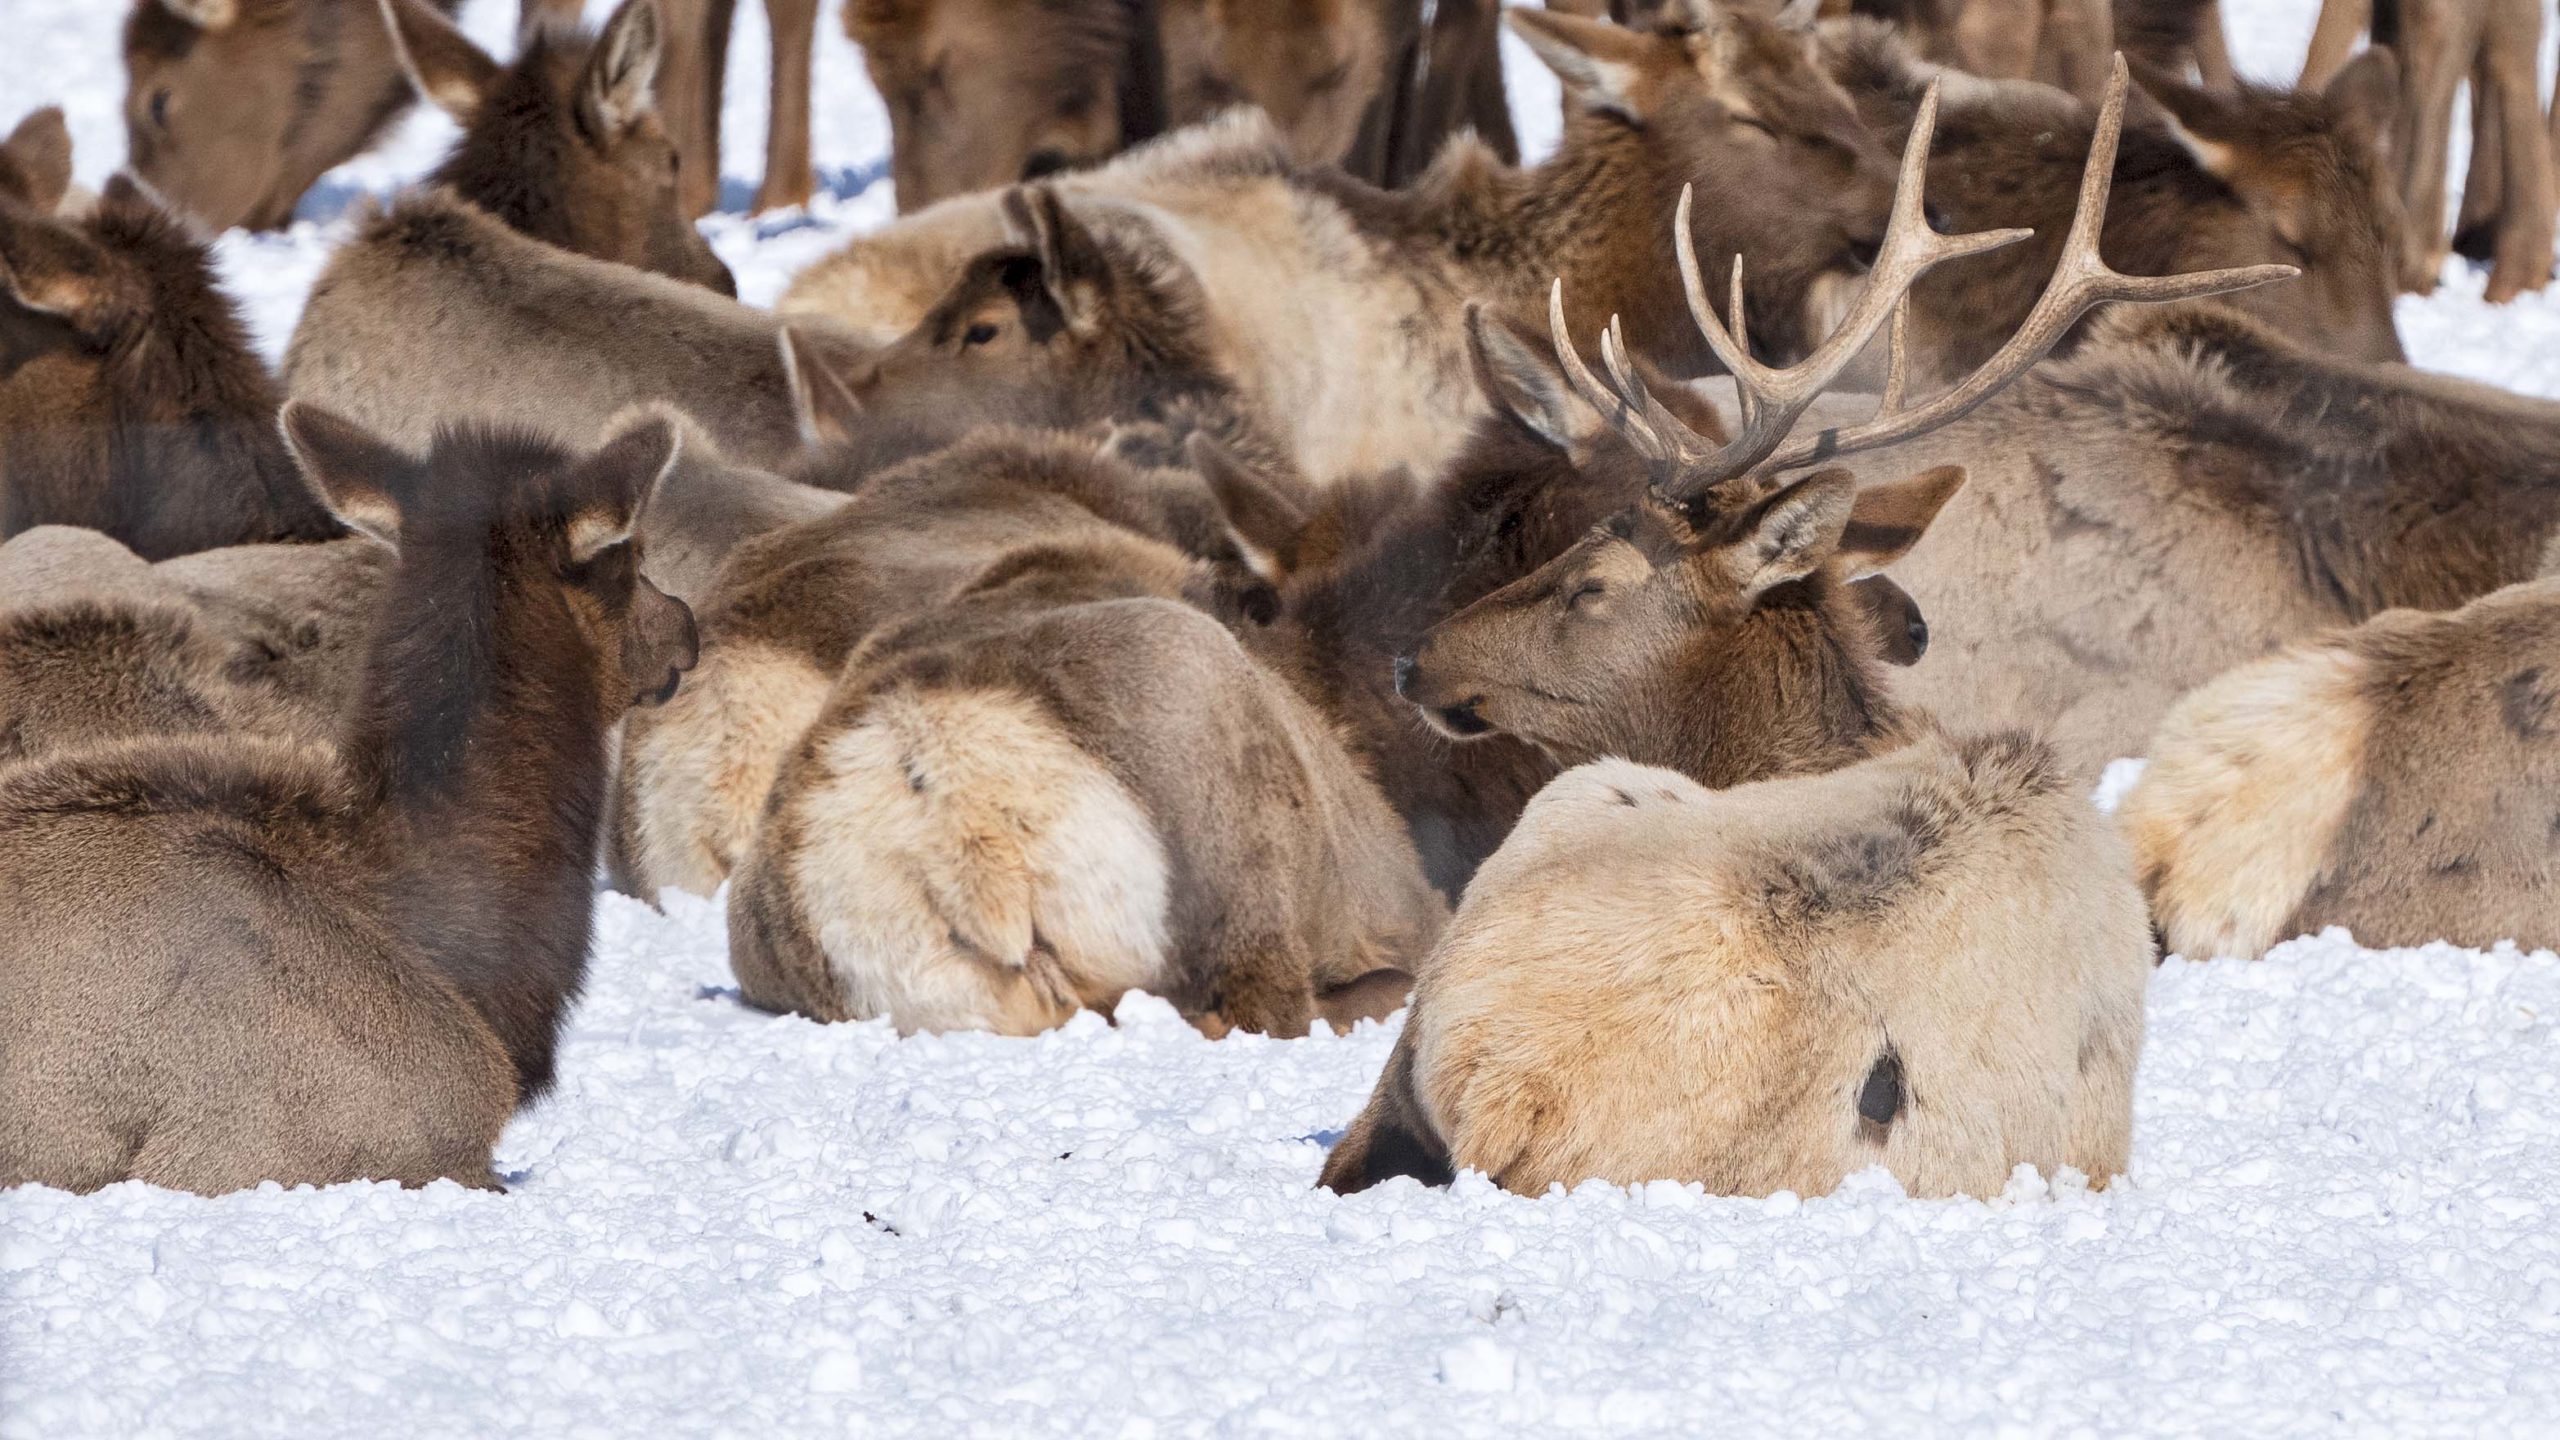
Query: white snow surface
(2343, 1214)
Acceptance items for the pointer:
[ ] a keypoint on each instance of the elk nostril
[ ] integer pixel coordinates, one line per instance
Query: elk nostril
(1919, 632)
(1404, 675)
(1043, 163)
(1938, 218)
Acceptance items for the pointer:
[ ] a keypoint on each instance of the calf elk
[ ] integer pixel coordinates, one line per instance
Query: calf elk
(2396, 779)
(130, 401)
(564, 144)
(242, 959)
(1754, 1039)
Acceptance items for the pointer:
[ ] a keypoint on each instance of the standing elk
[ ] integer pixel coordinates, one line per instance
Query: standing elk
(1292, 264)
(1836, 985)
(239, 959)
(2222, 178)
(564, 144)
(2513, 209)
(2396, 779)
(690, 85)
(130, 401)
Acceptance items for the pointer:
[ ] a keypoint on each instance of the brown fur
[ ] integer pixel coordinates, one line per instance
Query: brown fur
(243, 959)
(564, 144)
(130, 401)
(1063, 783)
(2395, 779)
(35, 162)
(2292, 177)
(689, 92)
(1932, 961)
(233, 120)
(436, 311)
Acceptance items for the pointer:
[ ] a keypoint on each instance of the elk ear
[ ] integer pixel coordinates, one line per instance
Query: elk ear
(2198, 119)
(1600, 64)
(1888, 520)
(1074, 267)
(828, 410)
(356, 477)
(450, 71)
(616, 484)
(35, 161)
(29, 329)
(2364, 98)
(622, 73)
(1266, 518)
(206, 15)
(1790, 534)
(1519, 379)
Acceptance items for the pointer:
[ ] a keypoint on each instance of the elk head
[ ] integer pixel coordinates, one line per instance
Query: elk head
(984, 93)
(1718, 96)
(1707, 627)
(214, 97)
(565, 144)
(1061, 326)
(1314, 66)
(2312, 168)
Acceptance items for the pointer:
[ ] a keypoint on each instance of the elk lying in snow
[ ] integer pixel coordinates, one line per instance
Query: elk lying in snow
(1062, 783)
(2396, 779)
(1841, 981)
(233, 108)
(2224, 179)
(564, 144)
(787, 606)
(436, 311)
(130, 401)
(239, 959)
(1292, 263)
(96, 643)
(2496, 44)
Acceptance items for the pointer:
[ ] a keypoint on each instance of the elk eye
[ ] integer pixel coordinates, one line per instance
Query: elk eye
(978, 334)
(160, 109)
(1584, 593)
(1750, 122)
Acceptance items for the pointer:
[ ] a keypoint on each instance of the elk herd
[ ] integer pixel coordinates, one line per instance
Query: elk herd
(1654, 615)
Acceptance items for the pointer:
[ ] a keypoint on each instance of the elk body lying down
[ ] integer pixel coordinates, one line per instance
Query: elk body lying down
(237, 959)
(2396, 779)
(1293, 263)
(1931, 961)
(787, 606)
(1063, 783)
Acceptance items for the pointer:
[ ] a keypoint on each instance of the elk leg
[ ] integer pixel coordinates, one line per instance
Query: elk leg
(690, 73)
(562, 13)
(2475, 231)
(2441, 39)
(2213, 50)
(1261, 979)
(1999, 38)
(1488, 99)
(2333, 40)
(788, 179)
(2079, 35)
(2511, 48)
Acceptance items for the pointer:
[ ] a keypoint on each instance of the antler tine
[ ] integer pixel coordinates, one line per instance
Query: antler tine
(1632, 418)
(1772, 400)
(1629, 383)
(2081, 280)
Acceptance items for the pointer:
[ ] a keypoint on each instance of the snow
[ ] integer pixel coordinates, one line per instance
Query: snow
(2343, 1214)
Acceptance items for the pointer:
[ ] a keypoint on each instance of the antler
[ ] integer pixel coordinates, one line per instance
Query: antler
(1773, 399)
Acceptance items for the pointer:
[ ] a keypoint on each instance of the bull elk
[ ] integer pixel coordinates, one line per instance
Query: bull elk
(2396, 778)
(1842, 827)
(240, 959)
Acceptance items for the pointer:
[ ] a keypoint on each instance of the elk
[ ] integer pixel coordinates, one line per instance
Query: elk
(1294, 263)
(2225, 178)
(2496, 43)
(436, 310)
(2394, 778)
(565, 144)
(1841, 826)
(240, 958)
(2062, 43)
(690, 83)
(789, 604)
(1062, 783)
(35, 163)
(130, 401)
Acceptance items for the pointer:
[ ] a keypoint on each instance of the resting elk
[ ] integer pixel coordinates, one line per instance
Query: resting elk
(2396, 779)
(238, 958)
(1844, 944)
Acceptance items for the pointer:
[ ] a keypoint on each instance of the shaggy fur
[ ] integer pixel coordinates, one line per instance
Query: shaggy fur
(2395, 779)
(1932, 961)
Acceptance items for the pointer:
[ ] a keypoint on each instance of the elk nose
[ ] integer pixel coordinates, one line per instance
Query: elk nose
(1404, 676)
(1043, 163)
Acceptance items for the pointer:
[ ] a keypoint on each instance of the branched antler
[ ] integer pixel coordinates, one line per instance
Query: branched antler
(1774, 398)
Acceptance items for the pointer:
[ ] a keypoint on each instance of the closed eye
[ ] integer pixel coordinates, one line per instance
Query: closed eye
(1584, 593)
(978, 334)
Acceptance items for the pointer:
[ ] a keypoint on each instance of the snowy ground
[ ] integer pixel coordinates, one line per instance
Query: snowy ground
(2343, 1214)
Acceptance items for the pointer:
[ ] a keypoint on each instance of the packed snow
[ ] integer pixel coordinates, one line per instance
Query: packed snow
(2343, 1214)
